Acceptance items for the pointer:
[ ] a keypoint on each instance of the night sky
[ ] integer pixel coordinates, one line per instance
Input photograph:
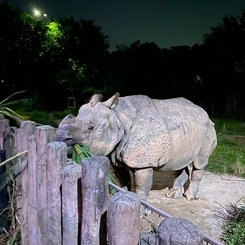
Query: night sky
(165, 22)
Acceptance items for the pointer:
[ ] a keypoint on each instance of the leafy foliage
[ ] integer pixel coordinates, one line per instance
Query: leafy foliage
(233, 217)
(6, 111)
(54, 35)
(81, 152)
(234, 234)
(36, 54)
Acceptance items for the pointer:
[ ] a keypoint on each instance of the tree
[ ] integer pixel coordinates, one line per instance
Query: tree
(85, 47)
(225, 59)
(40, 55)
(53, 37)
(10, 30)
(137, 69)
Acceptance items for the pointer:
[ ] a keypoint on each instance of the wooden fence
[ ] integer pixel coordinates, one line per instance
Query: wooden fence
(66, 203)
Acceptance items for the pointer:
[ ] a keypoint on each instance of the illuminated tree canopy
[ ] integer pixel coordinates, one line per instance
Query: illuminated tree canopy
(54, 34)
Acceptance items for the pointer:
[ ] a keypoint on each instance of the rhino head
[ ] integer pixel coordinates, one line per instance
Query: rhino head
(96, 126)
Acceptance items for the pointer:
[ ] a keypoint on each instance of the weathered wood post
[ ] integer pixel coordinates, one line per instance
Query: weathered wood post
(13, 146)
(124, 218)
(94, 197)
(26, 129)
(3, 194)
(70, 204)
(4, 127)
(33, 232)
(56, 160)
(44, 135)
(173, 231)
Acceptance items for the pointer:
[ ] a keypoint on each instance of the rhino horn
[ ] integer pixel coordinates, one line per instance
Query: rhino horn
(95, 99)
(112, 102)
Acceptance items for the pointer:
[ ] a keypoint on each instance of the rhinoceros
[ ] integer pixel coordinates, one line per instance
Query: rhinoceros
(145, 134)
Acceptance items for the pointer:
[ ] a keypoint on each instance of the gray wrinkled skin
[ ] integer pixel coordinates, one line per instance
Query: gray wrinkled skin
(146, 134)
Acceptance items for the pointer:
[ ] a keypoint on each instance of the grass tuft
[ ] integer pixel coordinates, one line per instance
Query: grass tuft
(233, 224)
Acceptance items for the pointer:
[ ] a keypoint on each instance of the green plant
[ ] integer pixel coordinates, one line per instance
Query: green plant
(12, 236)
(6, 111)
(81, 152)
(234, 234)
(233, 224)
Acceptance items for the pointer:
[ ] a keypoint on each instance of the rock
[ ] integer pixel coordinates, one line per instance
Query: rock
(178, 231)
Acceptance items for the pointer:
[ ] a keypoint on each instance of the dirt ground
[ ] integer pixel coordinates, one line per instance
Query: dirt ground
(216, 191)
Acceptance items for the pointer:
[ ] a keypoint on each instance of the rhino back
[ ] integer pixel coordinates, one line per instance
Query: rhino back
(167, 133)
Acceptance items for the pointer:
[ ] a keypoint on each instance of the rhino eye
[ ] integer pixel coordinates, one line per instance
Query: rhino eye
(90, 128)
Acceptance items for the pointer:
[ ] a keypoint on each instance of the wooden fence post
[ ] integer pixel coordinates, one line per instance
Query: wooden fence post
(4, 127)
(3, 194)
(27, 128)
(124, 218)
(70, 204)
(94, 197)
(179, 231)
(14, 168)
(56, 160)
(34, 233)
(44, 135)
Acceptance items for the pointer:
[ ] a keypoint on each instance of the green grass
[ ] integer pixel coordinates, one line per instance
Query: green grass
(233, 224)
(229, 155)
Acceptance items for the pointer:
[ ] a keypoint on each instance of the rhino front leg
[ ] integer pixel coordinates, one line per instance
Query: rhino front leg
(143, 182)
(193, 190)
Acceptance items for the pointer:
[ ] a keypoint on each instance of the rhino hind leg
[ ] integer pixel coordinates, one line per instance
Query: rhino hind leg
(193, 190)
(177, 190)
(196, 174)
(199, 164)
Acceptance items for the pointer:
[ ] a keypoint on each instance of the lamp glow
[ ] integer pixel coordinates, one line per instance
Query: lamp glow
(36, 12)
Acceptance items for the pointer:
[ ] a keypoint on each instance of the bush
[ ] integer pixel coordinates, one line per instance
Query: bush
(233, 225)
(234, 234)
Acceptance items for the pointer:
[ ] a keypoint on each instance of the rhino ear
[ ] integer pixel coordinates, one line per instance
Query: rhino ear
(95, 99)
(112, 102)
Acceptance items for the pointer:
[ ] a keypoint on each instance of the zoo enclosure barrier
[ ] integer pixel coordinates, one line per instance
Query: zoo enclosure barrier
(59, 202)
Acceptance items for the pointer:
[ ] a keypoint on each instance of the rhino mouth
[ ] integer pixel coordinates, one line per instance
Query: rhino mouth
(70, 142)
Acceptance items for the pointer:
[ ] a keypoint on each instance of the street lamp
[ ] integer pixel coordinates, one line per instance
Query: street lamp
(38, 13)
